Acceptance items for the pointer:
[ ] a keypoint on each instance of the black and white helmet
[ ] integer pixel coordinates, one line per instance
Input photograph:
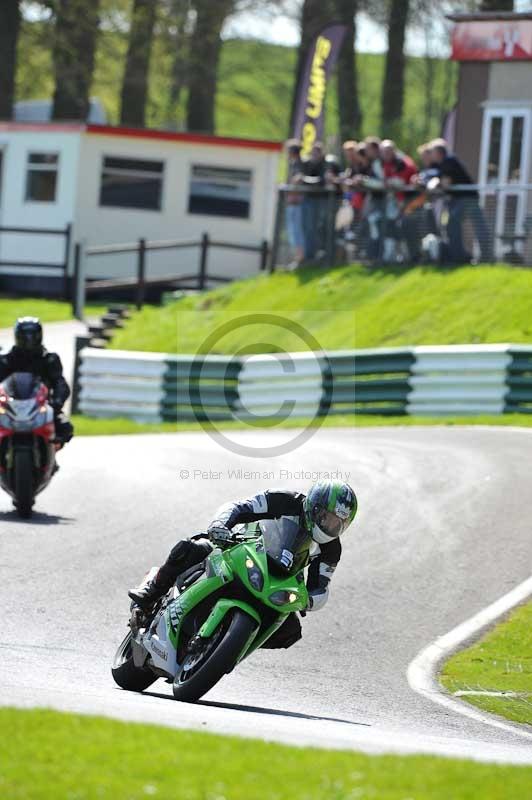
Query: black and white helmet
(330, 507)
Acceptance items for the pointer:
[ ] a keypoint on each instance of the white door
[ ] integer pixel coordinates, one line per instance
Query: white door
(503, 173)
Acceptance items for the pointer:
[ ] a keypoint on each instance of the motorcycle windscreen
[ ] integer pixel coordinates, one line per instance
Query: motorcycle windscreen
(22, 385)
(287, 545)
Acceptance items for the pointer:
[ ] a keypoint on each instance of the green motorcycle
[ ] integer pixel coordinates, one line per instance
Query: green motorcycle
(219, 612)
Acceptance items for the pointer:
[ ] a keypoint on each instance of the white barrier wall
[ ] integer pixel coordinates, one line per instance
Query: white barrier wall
(458, 379)
(433, 381)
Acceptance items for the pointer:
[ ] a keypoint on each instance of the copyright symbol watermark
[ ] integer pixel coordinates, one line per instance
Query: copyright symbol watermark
(184, 474)
(261, 391)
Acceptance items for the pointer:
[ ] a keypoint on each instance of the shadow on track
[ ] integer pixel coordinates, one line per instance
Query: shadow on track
(279, 712)
(37, 518)
(260, 710)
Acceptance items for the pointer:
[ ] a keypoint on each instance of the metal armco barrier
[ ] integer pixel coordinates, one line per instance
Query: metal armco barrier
(518, 398)
(154, 387)
(460, 379)
(433, 381)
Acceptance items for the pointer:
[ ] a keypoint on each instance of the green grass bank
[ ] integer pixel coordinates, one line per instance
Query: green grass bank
(345, 307)
(51, 756)
(90, 426)
(500, 662)
(47, 310)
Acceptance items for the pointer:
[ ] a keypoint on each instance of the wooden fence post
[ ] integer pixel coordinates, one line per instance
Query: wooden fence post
(141, 273)
(204, 251)
(78, 293)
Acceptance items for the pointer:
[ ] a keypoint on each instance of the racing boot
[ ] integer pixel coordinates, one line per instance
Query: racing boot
(156, 583)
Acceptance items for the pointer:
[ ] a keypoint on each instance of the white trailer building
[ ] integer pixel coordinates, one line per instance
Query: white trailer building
(113, 185)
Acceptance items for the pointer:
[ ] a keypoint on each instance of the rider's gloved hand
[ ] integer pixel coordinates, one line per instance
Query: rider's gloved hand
(219, 533)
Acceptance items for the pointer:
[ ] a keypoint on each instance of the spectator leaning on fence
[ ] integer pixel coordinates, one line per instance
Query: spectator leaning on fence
(364, 164)
(333, 171)
(373, 152)
(461, 205)
(429, 169)
(372, 179)
(294, 203)
(398, 169)
(355, 164)
(358, 201)
(314, 204)
(426, 212)
(351, 159)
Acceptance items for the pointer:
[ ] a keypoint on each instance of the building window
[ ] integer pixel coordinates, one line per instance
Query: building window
(220, 191)
(506, 146)
(131, 183)
(41, 177)
(505, 161)
(516, 150)
(494, 156)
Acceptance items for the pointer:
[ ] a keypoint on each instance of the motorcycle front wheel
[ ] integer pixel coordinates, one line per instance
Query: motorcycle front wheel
(126, 674)
(203, 668)
(23, 482)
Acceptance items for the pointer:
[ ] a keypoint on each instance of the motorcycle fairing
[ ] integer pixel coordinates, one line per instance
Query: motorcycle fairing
(161, 642)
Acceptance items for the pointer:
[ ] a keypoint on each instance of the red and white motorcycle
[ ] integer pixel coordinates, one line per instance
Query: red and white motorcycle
(27, 440)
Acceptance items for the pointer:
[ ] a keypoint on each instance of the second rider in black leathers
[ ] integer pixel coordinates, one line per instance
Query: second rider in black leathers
(29, 355)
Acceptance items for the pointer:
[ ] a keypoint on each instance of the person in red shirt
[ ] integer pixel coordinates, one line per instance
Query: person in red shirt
(398, 169)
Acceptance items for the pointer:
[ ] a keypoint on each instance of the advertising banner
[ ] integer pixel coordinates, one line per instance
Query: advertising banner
(310, 106)
(493, 40)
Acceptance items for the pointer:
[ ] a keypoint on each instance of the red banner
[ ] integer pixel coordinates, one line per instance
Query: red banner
(497, 40)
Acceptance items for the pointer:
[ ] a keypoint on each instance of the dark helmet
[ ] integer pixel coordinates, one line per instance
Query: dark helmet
(28, 333)
(330, 507)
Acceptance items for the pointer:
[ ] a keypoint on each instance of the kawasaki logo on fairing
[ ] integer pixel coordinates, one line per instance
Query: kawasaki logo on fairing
(159, 651)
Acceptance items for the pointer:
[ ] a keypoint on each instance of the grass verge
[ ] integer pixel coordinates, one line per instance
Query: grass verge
(346, 307)
(46, 310)
(500, 662)
(90, 426)
(47, 755)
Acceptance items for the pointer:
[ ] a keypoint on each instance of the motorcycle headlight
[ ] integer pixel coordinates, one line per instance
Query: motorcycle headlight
(283, 598)
(255, 576)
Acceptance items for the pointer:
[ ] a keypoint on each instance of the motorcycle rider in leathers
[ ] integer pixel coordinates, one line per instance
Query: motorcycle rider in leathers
(325, 512)
(29, 355)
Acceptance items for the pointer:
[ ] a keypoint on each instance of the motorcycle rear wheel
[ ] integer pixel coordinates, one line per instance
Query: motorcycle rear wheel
(126, 674)
(23, 482)
(220, 659)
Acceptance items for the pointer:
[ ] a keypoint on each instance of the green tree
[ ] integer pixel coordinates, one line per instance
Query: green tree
(203, 62)
(9, 31)
(135, 85)
(74, 46)
(349, 112)
(393, 85)
(177, 36)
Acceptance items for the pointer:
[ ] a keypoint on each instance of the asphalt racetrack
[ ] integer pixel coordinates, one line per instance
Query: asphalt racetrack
(443, 530)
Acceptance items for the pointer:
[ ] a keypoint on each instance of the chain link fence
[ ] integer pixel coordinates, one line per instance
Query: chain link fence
(403, 225)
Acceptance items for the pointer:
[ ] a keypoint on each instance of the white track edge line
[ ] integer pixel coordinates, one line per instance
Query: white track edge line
(422, 671)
